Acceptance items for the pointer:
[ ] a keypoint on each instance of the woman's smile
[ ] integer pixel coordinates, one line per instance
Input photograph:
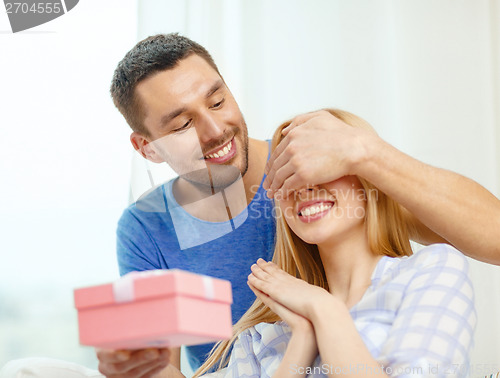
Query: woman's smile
(314, 210)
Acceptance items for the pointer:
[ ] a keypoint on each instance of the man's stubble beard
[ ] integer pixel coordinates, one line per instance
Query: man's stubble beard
(216, 177)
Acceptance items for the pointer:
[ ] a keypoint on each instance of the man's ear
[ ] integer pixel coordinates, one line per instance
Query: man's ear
(145, 148)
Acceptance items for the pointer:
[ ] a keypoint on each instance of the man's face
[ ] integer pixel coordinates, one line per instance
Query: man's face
(195, 123)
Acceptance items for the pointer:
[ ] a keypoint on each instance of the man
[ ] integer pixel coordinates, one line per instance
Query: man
(170, 92)
(172, 95)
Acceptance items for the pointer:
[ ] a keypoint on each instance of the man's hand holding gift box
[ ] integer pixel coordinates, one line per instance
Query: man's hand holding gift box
(138, 317)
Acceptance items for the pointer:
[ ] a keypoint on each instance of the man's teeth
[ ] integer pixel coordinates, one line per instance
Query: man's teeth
(221, 152)
(311, 210)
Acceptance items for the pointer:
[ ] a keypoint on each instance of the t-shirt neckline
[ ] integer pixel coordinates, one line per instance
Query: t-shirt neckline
(174, 204)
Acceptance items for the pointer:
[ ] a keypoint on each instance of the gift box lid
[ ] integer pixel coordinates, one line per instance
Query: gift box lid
(137, 286)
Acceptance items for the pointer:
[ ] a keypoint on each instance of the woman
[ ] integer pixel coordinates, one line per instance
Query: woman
(344, 284)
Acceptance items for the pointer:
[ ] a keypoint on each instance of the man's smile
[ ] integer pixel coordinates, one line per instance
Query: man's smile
(222, 154)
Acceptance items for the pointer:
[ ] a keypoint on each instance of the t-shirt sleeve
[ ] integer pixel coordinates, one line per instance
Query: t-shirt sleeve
(433, 332)
(134, 245)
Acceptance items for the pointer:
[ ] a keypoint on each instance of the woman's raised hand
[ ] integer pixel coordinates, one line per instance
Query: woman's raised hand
(292, 293)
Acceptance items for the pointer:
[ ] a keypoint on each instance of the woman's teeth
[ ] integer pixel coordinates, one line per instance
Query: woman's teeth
(311, 210)
(222, 152)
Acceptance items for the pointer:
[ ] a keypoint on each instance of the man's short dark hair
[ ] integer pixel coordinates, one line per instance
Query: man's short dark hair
(151, 55)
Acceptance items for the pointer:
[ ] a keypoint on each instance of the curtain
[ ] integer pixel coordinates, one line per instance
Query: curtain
(424, 73)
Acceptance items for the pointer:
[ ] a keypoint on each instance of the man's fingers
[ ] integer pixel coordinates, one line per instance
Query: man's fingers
(276, 153)
(284, 143)
(278, 164)
(290, 185)
(147, 371)
(277, 189)
(285, 150)
(280, 170)
(281, 157)
(112, 356)
(299, 120)
(139, 362)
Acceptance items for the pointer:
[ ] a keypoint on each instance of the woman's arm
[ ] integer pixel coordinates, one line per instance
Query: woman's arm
(340, 345)
(300, 354)
(302, 348)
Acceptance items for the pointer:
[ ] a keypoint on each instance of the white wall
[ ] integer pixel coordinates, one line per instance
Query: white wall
(64, 173)
(424, 73)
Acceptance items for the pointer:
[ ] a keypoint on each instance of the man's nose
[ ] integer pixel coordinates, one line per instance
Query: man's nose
(209, 128)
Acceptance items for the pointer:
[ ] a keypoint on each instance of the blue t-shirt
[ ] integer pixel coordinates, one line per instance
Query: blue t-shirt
(156, 233)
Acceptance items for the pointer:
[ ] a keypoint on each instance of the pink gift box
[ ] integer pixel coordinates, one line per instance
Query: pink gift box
(158, 308)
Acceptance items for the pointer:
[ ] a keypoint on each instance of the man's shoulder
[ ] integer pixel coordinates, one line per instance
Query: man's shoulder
(151, 204)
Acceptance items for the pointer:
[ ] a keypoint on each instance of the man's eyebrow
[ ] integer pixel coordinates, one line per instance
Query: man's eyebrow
(170, 116)
(214, 88)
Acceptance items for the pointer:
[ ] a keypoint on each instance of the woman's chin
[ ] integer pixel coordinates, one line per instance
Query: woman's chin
(314, 238)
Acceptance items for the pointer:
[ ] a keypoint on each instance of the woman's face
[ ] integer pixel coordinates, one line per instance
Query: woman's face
(327, 213)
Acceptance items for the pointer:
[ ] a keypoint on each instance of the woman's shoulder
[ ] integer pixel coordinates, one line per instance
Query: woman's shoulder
(439, 256)
(434, 259)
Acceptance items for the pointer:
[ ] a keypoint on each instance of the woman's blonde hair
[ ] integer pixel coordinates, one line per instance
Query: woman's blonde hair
(387, 231)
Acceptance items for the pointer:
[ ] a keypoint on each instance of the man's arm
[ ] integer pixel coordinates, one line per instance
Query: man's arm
(445, 205)
(419, 232)
(319, 148)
